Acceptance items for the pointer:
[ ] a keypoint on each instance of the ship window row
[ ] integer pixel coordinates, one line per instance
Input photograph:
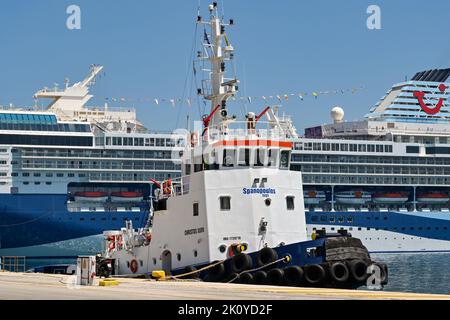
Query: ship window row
(422, 139)
(61, 127)
(66, 153)
(371, 169)
(45, 140)
(36, 183)
(111, 165)
(110, 176)
(140, 142)
(27, 118)
(374, 180)
(346, 147)
(141, 177)
(302, 158)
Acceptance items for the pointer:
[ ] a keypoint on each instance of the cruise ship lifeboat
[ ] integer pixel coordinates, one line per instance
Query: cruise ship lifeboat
(433, 197)
(313, 197)
(390, 197)
(353, 197)
(91, 196)
(126, 196)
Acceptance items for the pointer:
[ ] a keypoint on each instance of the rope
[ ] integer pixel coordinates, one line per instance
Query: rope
(257, 269)
(194, 272)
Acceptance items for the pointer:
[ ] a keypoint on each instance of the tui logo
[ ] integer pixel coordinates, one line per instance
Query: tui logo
(434, 110)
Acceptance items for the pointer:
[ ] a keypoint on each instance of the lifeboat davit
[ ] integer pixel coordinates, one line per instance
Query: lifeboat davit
(390, 197)
(433, 197)
(126, 196)
(353, 197)
(313, 197)
(91, 196)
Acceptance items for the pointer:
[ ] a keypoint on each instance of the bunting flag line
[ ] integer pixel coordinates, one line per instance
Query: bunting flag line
(247, 99)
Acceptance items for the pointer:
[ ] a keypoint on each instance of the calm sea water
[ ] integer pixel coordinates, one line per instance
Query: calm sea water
(420, 273)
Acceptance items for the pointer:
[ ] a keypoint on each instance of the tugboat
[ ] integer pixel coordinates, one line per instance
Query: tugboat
(237, 213)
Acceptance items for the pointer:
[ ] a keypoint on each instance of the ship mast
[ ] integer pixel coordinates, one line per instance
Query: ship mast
(216, 88)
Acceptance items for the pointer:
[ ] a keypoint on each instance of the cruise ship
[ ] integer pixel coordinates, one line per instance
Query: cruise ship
(69, 171)
(385, 178)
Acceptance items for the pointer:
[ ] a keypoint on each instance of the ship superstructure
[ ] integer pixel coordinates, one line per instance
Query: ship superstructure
(385, 178)
(68, 170)
(237, 209)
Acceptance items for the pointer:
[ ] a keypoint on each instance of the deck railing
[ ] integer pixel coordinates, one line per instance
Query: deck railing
(13, 264)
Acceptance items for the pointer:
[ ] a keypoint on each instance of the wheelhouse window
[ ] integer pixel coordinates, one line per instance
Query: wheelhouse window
(260, 158)
(284, 159)
(290, 203)
(272, 157)
(229, 156)
(225, 203)
(244, 157)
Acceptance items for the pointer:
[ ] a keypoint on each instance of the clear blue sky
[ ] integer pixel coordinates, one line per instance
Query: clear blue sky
(281, 46)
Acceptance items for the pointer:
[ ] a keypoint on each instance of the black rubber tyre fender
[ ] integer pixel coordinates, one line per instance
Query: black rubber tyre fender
(232, 278)
(266, 255)
(275, 277)
(241, 262)
(358, 270)
(189, 269)
(246, 278)
(339, 272)
(315, 274)
(293, 276)
(260, 277)
(216, 273)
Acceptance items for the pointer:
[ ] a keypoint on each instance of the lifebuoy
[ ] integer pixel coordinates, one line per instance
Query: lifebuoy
(134, 266)
(194, 139)
(167, 186)
(112, 246)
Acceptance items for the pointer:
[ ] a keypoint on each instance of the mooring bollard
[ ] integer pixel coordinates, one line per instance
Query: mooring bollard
(86, 270)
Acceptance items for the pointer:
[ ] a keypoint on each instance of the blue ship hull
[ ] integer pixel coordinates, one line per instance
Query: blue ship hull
(389, 232)
(29, 220)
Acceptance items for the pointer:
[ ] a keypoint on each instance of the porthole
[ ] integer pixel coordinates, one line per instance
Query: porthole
(223, 248)
(179, 256)
(268, 202)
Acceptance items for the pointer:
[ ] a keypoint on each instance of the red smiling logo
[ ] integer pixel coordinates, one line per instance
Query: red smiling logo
(420, 95)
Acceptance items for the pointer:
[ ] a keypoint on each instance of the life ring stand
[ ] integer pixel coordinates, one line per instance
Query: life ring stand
(134, 266)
